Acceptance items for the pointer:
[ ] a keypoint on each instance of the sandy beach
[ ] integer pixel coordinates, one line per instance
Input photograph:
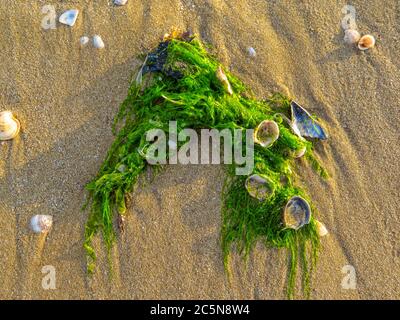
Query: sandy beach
(66, 96)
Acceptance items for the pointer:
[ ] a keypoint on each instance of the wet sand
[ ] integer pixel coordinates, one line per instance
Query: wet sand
(66, 96)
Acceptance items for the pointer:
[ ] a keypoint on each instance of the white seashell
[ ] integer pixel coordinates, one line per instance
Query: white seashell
(251, 51)
(84, 40)
(321, 229)
(69, 17)
(98, 42)
(351, 36)
(41, 223)
(120, 2)
(9, 126)
(366, 42)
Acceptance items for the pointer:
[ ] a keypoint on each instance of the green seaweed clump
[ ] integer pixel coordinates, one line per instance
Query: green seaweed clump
(179, 82)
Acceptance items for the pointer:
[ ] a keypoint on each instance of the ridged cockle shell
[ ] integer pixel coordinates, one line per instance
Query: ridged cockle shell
(9, 126)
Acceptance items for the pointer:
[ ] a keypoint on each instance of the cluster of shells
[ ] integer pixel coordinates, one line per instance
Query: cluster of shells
(352, 36)
(297, 211)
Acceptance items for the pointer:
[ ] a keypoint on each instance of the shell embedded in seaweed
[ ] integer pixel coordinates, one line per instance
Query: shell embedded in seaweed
(266, 133)
(297, 213)
(224, 80)
(304, 125)
(69, 17)
(41, 223)
(9, 126)
(298, 153)
(259, 187)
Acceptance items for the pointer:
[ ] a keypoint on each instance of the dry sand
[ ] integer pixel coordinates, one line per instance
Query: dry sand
(66, 96)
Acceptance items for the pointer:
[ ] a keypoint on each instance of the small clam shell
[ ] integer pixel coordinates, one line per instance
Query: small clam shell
(351, 36)
(224, 80)
(69, 17)
(259, 187)
(120, 2)
(298, 153)
(9, 126)
(321, 229)
(251, 51)
(41, 223)
(98, 42)
(84, 40)
(366, 42)
(297, 213)
(266, 133)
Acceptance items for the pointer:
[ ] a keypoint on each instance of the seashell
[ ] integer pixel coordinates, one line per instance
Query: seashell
(120, 2)
(224, 80)
(69, 17)
(122, 168)
(351, 36)
(298, 153)
(304, 125)
(321, 229)
(297, 213)
(366, 42)
(251, 51)
(266, 133)
(9, 126)
(84, 40)
(41, 223)
(98, 42)
(259, 187)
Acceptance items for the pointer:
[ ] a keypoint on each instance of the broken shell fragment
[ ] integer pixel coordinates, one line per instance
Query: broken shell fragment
(224, 80)
(297, 213)
(122, 168)
(298, 153)
(366, 42)
(84, 40)
(9, 126)
(69, 17)
(259, 187)
(266, 133)
(41, 223)
(304, 125)
(351, 36)
(98, 42)
(120, 2)
(251, 51)
(321, 229)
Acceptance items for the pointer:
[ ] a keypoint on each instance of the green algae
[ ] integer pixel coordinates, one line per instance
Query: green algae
(196, 99)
